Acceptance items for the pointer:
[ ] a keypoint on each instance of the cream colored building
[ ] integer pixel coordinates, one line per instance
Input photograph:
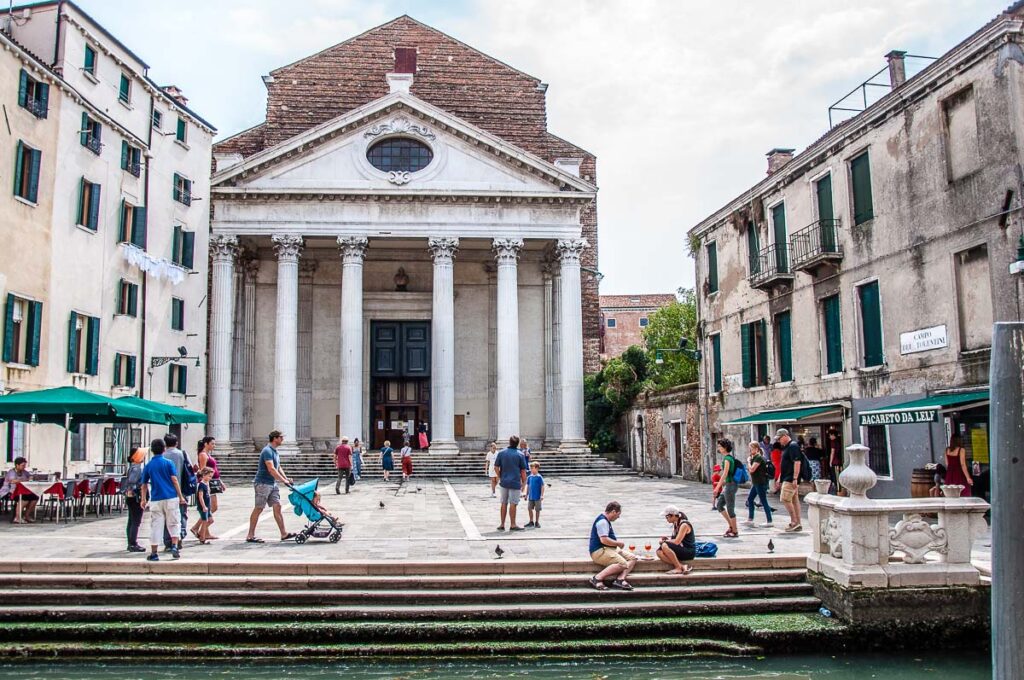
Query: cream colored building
(123, 271)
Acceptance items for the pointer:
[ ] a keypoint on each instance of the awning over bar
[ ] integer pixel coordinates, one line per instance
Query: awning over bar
(925, 410)
(789, 415)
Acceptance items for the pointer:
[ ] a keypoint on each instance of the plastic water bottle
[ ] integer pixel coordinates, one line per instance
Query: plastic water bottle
(825, 612)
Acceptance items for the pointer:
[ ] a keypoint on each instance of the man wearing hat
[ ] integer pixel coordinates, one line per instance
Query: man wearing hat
(343, 463)
(268, 474)
(790, 475)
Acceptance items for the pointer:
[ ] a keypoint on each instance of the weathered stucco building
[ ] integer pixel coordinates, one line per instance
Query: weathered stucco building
(855, 287)
(624, 318)
(402, 244)
(108, 277)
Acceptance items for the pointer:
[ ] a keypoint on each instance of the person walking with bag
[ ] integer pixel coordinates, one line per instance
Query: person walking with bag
(161, 491)
(725, 490)
(205, 459)
(133, 499)
(758, 484)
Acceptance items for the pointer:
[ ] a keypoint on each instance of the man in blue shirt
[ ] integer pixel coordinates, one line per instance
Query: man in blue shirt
(510, 466)
(609, 552)
(268, 474)
(162, 492)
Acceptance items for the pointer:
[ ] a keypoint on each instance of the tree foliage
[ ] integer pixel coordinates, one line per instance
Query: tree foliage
(664, 329)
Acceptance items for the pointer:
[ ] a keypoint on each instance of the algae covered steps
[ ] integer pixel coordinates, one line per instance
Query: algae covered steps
(94, 608)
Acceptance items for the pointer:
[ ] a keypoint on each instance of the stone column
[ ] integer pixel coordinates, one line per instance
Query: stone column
(288, 247)
(549, 355)
(223, 250)
(492, 350)
(442, 351)
(248, 356)
(353, 252)
(304, 379)
(506, 253)
(556, 353)
(237, 349)
(571, 313)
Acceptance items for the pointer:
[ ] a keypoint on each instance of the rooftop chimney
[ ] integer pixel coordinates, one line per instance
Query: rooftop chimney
(400, 80)
(897, 68)
(174, 92)
(777, 158)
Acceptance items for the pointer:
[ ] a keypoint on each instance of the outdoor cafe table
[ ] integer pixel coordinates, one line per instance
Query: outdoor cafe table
(37, 488)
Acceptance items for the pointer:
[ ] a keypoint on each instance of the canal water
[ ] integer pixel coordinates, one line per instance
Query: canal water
(859, 667)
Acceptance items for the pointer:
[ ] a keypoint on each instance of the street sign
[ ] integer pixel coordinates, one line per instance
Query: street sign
(899, 417)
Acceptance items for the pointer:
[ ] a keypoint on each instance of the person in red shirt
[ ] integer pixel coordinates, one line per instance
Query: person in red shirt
(714, 483)
(343, 461)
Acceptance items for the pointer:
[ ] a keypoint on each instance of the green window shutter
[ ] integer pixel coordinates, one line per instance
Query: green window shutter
(871, 324)
(863, 208)
(183, 379)
(126, 88)
(712, 267)
(177, 314)
(826, 214)
(716, 351)
(133, 299)
(117, 370)
(72, 347)
(90, 59)
(781, 238)
(188, 244)
(170, 378)
(92, 366)
(79, 215)
(35, 332)
(18, 168)
(748, 364)
(762, 354)
(833, 336)
(122, 231)
(124, 154)
(84, 134)
(139, 226)
(783, 324)
(9, 327)
(130, 382)
(23, 89)
(94, 207)
(181, 130)
(35, 158)
(753, 248)
(44, 98)
(176, 193)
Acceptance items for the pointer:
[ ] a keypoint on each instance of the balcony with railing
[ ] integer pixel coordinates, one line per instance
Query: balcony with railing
(92, 143)
(771, 266)
(815, 245)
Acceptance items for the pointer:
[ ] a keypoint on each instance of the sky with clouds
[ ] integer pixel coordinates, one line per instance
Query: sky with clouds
(678, 99)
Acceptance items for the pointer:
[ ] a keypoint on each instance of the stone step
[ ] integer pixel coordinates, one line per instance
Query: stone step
(617, 604)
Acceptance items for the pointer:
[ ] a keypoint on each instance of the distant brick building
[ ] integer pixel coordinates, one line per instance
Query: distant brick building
(624, 318)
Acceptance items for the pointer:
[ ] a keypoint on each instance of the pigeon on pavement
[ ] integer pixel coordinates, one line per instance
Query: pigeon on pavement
(771, 546)
(498, 551)
(382, 504)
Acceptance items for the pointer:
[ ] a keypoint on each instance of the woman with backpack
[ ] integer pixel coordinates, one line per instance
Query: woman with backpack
(725, 490)
(760, 472)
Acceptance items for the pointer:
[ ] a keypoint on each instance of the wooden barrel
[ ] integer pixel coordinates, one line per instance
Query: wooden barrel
(920, 482)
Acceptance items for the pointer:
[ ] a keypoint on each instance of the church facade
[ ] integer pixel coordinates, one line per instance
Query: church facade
(400, 247)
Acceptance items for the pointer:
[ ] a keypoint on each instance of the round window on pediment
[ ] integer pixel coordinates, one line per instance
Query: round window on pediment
(399, 154)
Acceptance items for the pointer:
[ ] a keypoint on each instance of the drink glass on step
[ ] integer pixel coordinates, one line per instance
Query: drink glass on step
(632, 548)
(647, 549)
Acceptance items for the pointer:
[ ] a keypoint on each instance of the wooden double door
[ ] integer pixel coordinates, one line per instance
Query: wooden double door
(399, 381)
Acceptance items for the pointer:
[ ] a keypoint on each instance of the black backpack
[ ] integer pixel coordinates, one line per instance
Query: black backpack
(769, 467)
(805, 468)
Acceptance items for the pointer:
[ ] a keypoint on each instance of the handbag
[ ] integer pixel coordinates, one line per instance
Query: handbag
(216, 486)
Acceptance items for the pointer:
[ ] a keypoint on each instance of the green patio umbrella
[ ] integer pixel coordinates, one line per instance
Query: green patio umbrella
(175, 414)
(70, 407)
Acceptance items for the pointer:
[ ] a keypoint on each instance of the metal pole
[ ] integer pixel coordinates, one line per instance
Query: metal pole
(1006, 413)
(67, 436)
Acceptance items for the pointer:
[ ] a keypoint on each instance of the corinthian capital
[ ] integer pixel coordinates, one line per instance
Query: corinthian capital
(353, 248)
(569, 250)
(506, 250)
(287, 246)
(443, 249)
(223, 248)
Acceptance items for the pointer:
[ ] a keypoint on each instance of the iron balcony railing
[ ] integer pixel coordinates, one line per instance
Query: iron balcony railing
(36, 107)
(134, 168)
(771, 264)
(92, 143)
(816, 242)
(182, 196)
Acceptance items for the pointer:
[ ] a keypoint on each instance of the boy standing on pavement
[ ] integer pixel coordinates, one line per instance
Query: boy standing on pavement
(534, 495)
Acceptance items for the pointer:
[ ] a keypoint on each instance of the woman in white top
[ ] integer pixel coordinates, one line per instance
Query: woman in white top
(492, 454)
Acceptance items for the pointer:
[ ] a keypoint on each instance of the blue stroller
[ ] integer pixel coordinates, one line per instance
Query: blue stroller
(319, 525)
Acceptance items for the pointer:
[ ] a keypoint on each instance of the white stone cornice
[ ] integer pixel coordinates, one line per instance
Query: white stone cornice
(571, 249)
(226, 193)
(443, 248)
(287, 246)
(353, 248)
(506, 250)
(223, 248)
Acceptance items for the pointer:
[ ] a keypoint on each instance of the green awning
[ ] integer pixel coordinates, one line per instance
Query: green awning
(175, 414)
(789, 415)
(78, 406)
(923, 410)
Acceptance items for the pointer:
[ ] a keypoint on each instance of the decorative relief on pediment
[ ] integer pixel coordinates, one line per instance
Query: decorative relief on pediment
(400, 125)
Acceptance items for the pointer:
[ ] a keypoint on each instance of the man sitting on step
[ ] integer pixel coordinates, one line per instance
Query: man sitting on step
(608, 552)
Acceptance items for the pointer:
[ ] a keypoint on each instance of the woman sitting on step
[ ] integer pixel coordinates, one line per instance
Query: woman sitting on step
(681, 546)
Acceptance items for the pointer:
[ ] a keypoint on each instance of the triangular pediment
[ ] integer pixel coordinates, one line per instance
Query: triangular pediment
(465, 159)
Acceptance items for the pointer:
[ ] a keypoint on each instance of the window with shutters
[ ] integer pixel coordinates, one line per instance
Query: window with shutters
(22, 331)
(781, 238)
(832, 333)
(124, 370)
(124, 91)
(876, 438)
(784, 345)
(870, 304)
(132, 225)
(182, 190)
(33, 95)
(127, 298)
(78, 451)
(177, 314)
(91, 134)
(158, 119)
(181, 133)
(131, 158)
(754, 346)
(860, 180)
(88, 205)
(26, 172)
(177, 379)
(83, 344)
(183, 247)
(712, 260)
(89, 65)
(716, 362)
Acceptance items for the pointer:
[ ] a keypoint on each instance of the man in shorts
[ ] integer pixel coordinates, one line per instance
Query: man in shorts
(268, 474)
(609, 552)
(510, 466)
(790, 475)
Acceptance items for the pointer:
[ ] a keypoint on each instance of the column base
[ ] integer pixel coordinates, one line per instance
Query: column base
(443, 446)
(289, 448)
(241, 445)
(574, 446)
(551, 444)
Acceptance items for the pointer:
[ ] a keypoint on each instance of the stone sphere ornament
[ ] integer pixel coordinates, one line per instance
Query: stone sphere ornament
(858, 478)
